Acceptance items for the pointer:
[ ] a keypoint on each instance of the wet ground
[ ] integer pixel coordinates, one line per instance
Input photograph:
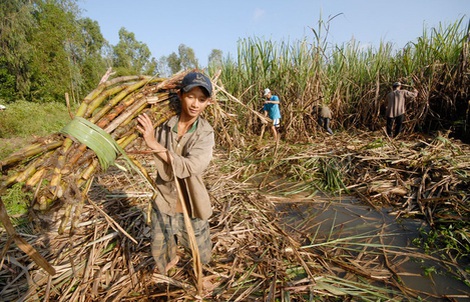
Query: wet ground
(376, 231)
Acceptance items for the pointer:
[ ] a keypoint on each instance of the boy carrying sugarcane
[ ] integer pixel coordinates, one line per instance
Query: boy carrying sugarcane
(183, 146)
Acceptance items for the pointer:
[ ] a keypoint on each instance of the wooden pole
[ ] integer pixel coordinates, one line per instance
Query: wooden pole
(23, 244)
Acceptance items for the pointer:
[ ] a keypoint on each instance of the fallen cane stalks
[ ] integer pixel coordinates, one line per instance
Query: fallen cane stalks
(113, 105)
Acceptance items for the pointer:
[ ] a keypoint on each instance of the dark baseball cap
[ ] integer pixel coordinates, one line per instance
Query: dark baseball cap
(196, 79)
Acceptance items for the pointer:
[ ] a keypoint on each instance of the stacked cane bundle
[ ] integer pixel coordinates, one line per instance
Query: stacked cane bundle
(58, 168)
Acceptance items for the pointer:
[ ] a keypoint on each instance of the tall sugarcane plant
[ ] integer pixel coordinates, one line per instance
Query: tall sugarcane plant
(354, 79)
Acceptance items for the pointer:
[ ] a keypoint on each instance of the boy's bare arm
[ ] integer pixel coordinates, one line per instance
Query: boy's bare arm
(272, 102)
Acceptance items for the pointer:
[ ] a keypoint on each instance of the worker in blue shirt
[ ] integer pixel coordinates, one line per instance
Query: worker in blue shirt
(271, 109)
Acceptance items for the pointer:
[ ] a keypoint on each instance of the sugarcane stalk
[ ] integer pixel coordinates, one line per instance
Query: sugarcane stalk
(27, 173)
(141, 168)
(116, 110)
(100, 99)
(105, 85)
(129, 128)
(136, 108)
(29, 152)
(127, 115)
(133, 115)
(21, 176)
(43, 200)
(8, 182)
(96, 92)
(46, 197)
(79, 206)
(83, 109)
(33, 180)
(121, 97)
(28, 148)
(50, 191)
(90, 97)
(74, 157)
(125, 79)
(88, 172)
(85, 158)
(55, 184)
(65, 219)
(123, 105)
(127, 138)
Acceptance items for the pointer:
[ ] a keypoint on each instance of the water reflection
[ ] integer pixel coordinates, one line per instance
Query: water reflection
(372, 243)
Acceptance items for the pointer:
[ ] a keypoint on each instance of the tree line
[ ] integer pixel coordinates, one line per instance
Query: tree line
(48, 48)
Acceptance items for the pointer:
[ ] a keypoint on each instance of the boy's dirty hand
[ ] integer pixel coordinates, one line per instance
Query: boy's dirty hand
(146, 128)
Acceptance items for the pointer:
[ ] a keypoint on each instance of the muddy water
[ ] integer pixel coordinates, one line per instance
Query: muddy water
(322, 221)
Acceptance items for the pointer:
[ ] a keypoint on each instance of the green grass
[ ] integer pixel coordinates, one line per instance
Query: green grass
(16, 200)
(22, 121)
(20, 124)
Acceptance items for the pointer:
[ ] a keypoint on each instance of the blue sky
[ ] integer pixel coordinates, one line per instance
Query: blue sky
(204, 25)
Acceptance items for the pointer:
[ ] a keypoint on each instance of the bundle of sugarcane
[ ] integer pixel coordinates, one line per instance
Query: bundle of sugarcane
(58, 168)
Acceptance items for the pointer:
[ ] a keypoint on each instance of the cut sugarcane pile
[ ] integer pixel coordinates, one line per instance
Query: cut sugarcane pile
(57, 169)
(108, 258)
(254, 255)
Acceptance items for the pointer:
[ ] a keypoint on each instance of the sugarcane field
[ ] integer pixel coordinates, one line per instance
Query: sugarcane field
(349, 210)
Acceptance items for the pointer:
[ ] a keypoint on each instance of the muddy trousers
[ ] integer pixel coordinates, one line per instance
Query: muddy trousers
(170, 231)
(398, 120)
(325, 123)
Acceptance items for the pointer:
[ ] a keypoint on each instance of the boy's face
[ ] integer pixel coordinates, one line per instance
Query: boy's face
(194, 101)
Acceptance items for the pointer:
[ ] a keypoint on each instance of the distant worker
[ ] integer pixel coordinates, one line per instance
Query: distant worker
(271, 109)
(2, 107)
(396, 108)
(324, 118)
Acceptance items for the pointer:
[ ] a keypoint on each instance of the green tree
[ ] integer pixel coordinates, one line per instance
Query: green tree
(131, 56)
(215, 59)
(185, 59)
(152, 67)
(38, 42)
(7, 83)
(46, 49)
(16, 23)
(174, 63)
(91, 53)
(163, 68)
(54, 67)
